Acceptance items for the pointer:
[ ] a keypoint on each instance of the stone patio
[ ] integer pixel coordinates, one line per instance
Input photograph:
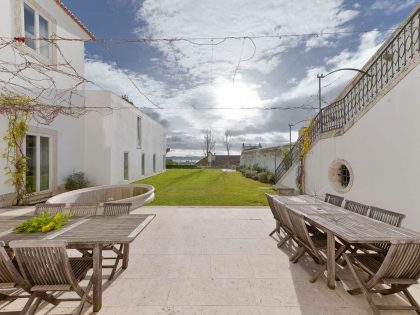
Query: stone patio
(218, 260)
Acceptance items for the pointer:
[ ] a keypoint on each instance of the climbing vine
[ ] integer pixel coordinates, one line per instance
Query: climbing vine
(18, 126)
(304, 149)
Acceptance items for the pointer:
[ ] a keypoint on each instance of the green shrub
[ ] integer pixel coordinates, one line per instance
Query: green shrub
(76, 181)
(262, 177)
(271, 179)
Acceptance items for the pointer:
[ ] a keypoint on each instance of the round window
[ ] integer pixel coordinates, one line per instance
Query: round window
(341, 176)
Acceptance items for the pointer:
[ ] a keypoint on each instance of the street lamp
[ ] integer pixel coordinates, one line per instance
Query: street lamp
(321, 76)
(290, 133)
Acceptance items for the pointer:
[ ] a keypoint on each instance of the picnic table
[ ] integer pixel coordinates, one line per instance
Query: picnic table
(347, 226)
(93, 232)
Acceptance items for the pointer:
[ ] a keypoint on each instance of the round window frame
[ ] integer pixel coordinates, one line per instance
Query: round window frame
(334, 176)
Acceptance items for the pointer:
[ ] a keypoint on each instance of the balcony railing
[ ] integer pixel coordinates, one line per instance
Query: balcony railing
(403, 47)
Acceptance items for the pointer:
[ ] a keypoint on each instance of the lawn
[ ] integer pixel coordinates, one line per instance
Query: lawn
(197, 187)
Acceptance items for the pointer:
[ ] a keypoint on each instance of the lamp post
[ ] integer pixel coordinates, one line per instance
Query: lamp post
(290, 133)
(321, 76)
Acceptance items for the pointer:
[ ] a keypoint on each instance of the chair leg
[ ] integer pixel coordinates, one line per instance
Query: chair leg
(35, 306)
(296, 256)
(85, 298)
(272, 232)
(284, 240)
(412, 301)
(117, 260)
(361, 285)
(318, 273)
(28, 304)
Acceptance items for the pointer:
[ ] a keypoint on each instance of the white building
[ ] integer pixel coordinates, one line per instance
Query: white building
(268, 158)
(109, 146)
(369, 149)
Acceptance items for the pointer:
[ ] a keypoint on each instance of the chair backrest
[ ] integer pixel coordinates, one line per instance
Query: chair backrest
(8, 271)
(386, 216)
(401, 262)
(43, 262)
(356, 207)
(83, 209)
(270, 200)
(51, 208)
(333, 199)
(301, 232)
(116, 208)
(283, 215)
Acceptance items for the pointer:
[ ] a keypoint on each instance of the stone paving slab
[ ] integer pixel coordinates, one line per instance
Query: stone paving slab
(219, 261)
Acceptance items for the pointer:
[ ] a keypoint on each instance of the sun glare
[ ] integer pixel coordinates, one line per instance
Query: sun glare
(236, 95)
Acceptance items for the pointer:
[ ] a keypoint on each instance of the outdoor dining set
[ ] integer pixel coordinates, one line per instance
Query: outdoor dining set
(382, 257)
(42, 266)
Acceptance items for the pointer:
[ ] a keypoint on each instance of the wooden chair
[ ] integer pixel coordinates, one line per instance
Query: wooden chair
(51, 208)
(111, 208)
(10, 278)
(275, 215)
(46, 267)
(386, 216)
(114, 209)
(395, 273)
(315, 246)
(285, 223)
(356, 207)
(83, 209)
(333, 199)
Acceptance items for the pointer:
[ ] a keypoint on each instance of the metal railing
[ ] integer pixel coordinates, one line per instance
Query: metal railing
(403, 46)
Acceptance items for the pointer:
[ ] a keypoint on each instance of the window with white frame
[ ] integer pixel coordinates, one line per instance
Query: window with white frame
(36, 26)
(38, 163)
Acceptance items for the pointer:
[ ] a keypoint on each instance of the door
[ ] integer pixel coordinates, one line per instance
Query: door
(38, 161)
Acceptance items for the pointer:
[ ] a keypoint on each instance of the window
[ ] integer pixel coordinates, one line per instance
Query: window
(38, 163)
(344, 175)
(341, 176)
(143, 166)
(126, 169)
(36, 26)
(154, 163)
(139, 132)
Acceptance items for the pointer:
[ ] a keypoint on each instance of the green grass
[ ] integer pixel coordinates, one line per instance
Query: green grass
(183, 187)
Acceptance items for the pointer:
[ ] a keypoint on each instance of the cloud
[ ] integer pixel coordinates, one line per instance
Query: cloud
(194, 80)
(391, 6)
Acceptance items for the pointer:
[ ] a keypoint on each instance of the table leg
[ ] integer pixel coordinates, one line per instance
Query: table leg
(330, 260)
(126, 253)
(97, 277)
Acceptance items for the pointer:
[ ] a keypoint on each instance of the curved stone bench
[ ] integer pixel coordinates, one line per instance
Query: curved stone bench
(136, 194)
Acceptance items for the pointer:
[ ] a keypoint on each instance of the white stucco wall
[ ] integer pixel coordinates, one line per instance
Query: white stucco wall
(108, 136)
(268, 158)
(383, 150)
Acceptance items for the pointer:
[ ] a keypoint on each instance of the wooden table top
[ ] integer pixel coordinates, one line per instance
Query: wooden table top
(347, 225)
(301, 199)
(86, 230)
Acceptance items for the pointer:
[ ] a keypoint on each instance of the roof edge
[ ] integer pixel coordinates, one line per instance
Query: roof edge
(75, 19)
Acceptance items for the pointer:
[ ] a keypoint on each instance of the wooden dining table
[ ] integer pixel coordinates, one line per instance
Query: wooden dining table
(93, 232)
(344, 225)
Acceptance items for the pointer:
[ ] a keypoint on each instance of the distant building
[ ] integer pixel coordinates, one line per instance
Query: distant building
(220, 161)
(268, 158)
(246, 146)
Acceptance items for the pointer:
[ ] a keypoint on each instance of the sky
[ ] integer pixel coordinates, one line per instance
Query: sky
(205, 80)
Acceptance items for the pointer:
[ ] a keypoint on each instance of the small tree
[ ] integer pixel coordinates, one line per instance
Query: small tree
(227, 140)
(208, 142)
(18, 127)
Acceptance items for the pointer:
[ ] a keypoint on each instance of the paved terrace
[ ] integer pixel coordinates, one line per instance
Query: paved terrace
(218, 260)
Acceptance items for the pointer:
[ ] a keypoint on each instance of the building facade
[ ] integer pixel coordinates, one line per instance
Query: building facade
(268, 158)
(109, 146)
